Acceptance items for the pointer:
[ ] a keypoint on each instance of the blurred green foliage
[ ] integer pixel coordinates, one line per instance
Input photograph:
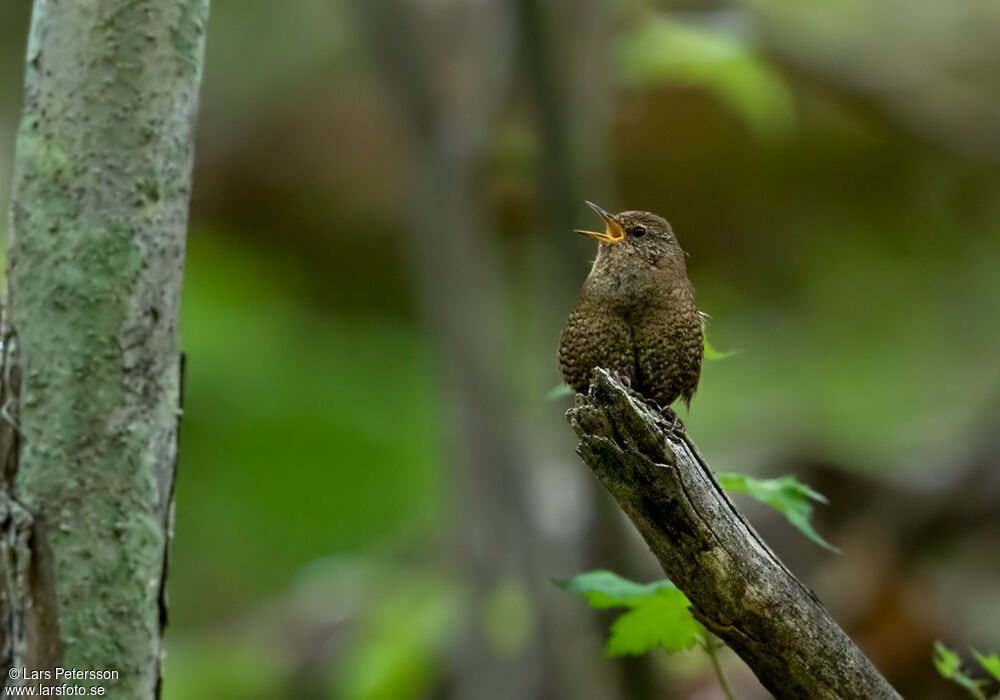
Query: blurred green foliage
(507, 617)
(991, 663)
(949, 665)
(662, 50)
(397, 652)
(277, 468)
(209, 669)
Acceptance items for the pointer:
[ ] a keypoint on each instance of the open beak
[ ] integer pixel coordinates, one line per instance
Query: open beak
(613, 231)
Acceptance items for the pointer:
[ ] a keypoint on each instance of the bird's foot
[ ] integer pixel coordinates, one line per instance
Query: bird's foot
(621, 379)
(675, 420)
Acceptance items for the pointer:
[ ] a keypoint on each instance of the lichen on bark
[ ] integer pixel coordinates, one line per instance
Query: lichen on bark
(99, 217)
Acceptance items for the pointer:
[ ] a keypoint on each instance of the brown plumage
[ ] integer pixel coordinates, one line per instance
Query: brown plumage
(636, 314)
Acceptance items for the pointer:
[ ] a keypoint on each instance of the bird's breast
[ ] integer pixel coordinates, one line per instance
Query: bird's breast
(622, 286)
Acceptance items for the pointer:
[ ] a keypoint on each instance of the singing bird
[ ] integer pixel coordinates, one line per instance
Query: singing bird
(636, 314)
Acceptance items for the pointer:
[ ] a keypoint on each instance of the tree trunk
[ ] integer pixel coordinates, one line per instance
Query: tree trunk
(91, 350)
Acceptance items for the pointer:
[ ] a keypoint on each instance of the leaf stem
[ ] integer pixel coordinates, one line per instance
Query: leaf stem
(710, 647)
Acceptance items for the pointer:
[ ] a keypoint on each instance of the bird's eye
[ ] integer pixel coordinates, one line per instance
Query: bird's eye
(639, 231)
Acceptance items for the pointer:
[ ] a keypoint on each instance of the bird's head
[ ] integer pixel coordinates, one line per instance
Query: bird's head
(636, 233)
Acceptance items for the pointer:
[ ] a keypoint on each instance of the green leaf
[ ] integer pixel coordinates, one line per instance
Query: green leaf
(991, 663)
(949, 665)
(662, 620)
(606, 589)
(557, 392)
(786, 494)
(946, 660)
(658, 615)
(713, 354)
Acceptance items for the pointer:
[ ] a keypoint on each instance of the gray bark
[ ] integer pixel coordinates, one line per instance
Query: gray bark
(738, 588)
(91, 356)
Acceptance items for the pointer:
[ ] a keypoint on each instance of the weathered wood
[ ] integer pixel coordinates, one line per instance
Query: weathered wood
(738, 588)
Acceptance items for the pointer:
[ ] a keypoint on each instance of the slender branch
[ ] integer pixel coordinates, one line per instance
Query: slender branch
(738, 588)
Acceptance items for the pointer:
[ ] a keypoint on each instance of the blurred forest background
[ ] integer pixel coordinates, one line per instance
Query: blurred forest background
(375, 489)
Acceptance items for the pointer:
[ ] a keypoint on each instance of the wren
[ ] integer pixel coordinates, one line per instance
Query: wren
(636, 314)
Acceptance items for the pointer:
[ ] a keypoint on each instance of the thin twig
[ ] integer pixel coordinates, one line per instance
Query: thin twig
(710, 648)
